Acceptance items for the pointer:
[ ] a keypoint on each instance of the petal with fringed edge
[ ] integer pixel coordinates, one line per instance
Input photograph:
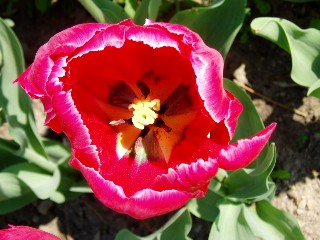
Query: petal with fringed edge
(25, 233)
(241, 153)
(143, 204)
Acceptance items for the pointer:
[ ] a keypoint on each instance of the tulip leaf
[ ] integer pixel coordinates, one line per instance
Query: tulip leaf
(81, 187)
(14, 194)
(178, 228)
(260, 220)
(268, 222)
(147, 9)
(249, 124)
(244, 186)
(57, 152)
(130, 7)
(13, 152)
(39, 181)
(14, 102)
(252, 182)
(302, 44)
(205, 208)
(217, 24)
(104, 11)
(249, 120)
(231, 223)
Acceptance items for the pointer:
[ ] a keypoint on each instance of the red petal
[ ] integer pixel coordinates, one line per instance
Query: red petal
(241, 153)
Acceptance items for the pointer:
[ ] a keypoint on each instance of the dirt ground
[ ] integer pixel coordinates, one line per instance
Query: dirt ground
(266, 68)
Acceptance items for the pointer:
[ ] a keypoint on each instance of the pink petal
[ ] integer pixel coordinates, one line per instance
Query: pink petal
(25, 233)
(193, 178)
(208, 66)
(241, 153)
(63, 43)
(143, 204)
(77, 132)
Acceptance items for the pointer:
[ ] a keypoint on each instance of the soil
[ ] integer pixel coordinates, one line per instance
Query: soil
(264, 66)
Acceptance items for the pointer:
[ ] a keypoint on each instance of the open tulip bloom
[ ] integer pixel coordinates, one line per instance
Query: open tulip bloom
(145, 111)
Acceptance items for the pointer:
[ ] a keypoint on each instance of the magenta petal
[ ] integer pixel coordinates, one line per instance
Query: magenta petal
(143, 204)
(63, 43)
(193, 177)
(241, 153)
(25, 233)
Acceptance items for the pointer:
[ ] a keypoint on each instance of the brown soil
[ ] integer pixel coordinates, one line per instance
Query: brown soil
(265, 67)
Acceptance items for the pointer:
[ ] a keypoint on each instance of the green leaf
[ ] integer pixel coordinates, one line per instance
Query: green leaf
(13, 152)
(217, 24)
(281, 174)
(249, 122)
(263, 6)
(258, 221)
(57, 152)
(130, 7)
(104, 11)
(42, 184)
(13, 100)
(268, 222)
(178, 227)
(252, 182)
(231, 223)
(205, 208)
(14, 194)
(147, 9)
(255, 185)
(302, 44)
(81, 187)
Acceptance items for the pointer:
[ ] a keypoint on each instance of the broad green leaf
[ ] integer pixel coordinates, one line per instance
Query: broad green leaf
(249, 122)
(147, 9)
(263, 6)
(217, 24)
(104, 11)
(57, 152)
(14, 153)
(255, 185)
(14, 194)
(231, 224)
(252, 182)
(281, 174)
(7, 150)
(64, 192)
(81, 187)
(205, 208)
(14, 102)
(302, 44)
(130, 7)
(268, 222)
(178, 228)
(39, 181)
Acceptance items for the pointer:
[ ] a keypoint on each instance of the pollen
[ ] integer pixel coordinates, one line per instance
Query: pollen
(144, 112)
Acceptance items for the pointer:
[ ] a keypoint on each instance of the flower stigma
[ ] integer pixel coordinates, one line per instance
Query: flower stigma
(144, 112)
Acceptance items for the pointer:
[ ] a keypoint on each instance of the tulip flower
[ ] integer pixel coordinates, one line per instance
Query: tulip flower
(145, 111)
(25, 233)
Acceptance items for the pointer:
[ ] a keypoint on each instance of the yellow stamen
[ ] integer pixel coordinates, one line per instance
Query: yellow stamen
(144, 112)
